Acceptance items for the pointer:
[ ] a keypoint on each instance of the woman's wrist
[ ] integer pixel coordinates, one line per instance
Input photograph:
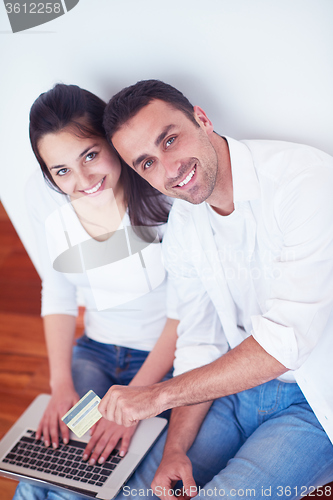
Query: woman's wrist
(63, 384)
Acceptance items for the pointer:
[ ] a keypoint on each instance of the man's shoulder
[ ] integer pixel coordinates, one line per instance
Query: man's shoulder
(279, 158)
(182, 212)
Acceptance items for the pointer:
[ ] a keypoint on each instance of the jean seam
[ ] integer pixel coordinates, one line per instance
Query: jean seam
(276, 405)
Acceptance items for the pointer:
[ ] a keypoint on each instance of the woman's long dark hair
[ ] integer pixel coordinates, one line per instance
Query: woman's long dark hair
(69, 105)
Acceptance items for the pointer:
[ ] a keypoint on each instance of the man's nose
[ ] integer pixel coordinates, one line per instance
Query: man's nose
(172, 167)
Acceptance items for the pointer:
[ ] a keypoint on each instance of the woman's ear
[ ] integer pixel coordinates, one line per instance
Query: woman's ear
(203, 120)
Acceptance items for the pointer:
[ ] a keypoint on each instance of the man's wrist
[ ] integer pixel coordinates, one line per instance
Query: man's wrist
(163, 394)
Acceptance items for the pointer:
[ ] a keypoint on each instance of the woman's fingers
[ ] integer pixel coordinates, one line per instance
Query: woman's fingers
(105, 438)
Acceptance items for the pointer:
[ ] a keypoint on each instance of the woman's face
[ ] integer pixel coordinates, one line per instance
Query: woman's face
(80, 166)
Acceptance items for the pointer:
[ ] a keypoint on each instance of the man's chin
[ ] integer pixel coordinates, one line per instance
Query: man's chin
(193, 198)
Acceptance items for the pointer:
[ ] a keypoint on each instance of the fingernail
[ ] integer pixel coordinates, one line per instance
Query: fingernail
(101, 460)
(92, 461)
(54, 445)
(65, 440)
(121, 453)
(46, 443)
(85, 457)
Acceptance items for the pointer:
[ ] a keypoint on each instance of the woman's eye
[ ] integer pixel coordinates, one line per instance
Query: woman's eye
(147, 164)
(90, 156)
(170, 141)
(62, 171)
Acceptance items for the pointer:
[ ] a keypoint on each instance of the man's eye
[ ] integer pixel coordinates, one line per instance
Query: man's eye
(91, 156)
(62, 171)
(170, 141)
(147, 164)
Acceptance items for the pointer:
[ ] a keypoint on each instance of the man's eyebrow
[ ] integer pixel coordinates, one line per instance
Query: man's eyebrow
(139, 159)
(78, 158)
(163, 134)
(157, 142)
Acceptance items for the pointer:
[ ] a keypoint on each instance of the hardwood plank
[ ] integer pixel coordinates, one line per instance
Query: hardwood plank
(7, 488)
(22, 334)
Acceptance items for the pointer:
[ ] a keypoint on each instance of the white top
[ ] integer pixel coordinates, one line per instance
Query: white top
(266, 270)
(124, 289)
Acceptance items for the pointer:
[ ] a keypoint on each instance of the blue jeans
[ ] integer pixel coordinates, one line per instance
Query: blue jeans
(97, 366)
(263, 442)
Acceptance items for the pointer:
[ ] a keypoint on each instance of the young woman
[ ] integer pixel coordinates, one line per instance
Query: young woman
(98, 227)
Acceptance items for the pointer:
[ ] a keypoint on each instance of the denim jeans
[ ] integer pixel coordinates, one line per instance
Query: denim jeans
(97, 366)
(263, 442)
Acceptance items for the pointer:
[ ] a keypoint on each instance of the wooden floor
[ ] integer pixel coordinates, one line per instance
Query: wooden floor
(23, 360)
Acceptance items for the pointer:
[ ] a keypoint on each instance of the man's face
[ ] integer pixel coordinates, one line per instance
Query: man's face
(168, 150)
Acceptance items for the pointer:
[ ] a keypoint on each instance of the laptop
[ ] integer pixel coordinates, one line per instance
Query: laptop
(24, 459)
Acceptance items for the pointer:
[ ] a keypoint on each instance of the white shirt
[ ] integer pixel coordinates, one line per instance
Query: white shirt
(279, 245)
(125, 301)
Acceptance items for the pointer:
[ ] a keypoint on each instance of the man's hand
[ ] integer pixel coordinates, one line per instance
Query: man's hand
(61, 401)
(127, 405)
(105, 436)
(175, 466)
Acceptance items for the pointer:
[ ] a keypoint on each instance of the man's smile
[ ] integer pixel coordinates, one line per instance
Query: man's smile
(187, 178)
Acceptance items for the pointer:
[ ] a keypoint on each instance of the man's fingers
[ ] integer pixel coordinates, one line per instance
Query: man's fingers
(105, 407)
(190, 487)
(115, 407)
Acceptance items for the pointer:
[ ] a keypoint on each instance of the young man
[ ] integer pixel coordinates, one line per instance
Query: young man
(249, 248)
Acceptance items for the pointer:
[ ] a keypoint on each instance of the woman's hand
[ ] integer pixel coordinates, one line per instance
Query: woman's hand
(61, 401)
(105, 436)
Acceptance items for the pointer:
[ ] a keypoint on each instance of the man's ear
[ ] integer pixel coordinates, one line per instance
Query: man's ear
(203, 120)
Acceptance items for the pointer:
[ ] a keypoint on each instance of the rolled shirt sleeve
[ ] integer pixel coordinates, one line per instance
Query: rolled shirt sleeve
(301, 290)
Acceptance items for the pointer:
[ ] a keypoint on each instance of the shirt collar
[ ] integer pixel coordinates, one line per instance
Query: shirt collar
(244, 177)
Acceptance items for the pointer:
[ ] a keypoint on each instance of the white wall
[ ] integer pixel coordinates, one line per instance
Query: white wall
(259, 68)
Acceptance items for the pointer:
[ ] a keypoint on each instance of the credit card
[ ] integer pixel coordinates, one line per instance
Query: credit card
(84, 414)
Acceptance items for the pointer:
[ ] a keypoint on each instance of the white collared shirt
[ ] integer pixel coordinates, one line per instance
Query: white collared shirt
(267, 271)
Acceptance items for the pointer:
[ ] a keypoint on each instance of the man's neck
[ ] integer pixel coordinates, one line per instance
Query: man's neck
(221, 199)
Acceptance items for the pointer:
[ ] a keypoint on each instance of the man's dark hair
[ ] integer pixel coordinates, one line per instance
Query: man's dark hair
(129, 101)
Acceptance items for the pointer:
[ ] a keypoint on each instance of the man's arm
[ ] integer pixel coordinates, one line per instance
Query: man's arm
(244, 367)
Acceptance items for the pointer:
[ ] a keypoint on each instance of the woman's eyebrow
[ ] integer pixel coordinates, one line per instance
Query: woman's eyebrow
(78, 158)
(86, 150)
(57, 166)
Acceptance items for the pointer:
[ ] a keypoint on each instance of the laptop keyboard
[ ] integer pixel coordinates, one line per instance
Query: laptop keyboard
(65, 461)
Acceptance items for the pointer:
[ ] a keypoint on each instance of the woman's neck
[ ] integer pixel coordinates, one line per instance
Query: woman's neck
(101, 215)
